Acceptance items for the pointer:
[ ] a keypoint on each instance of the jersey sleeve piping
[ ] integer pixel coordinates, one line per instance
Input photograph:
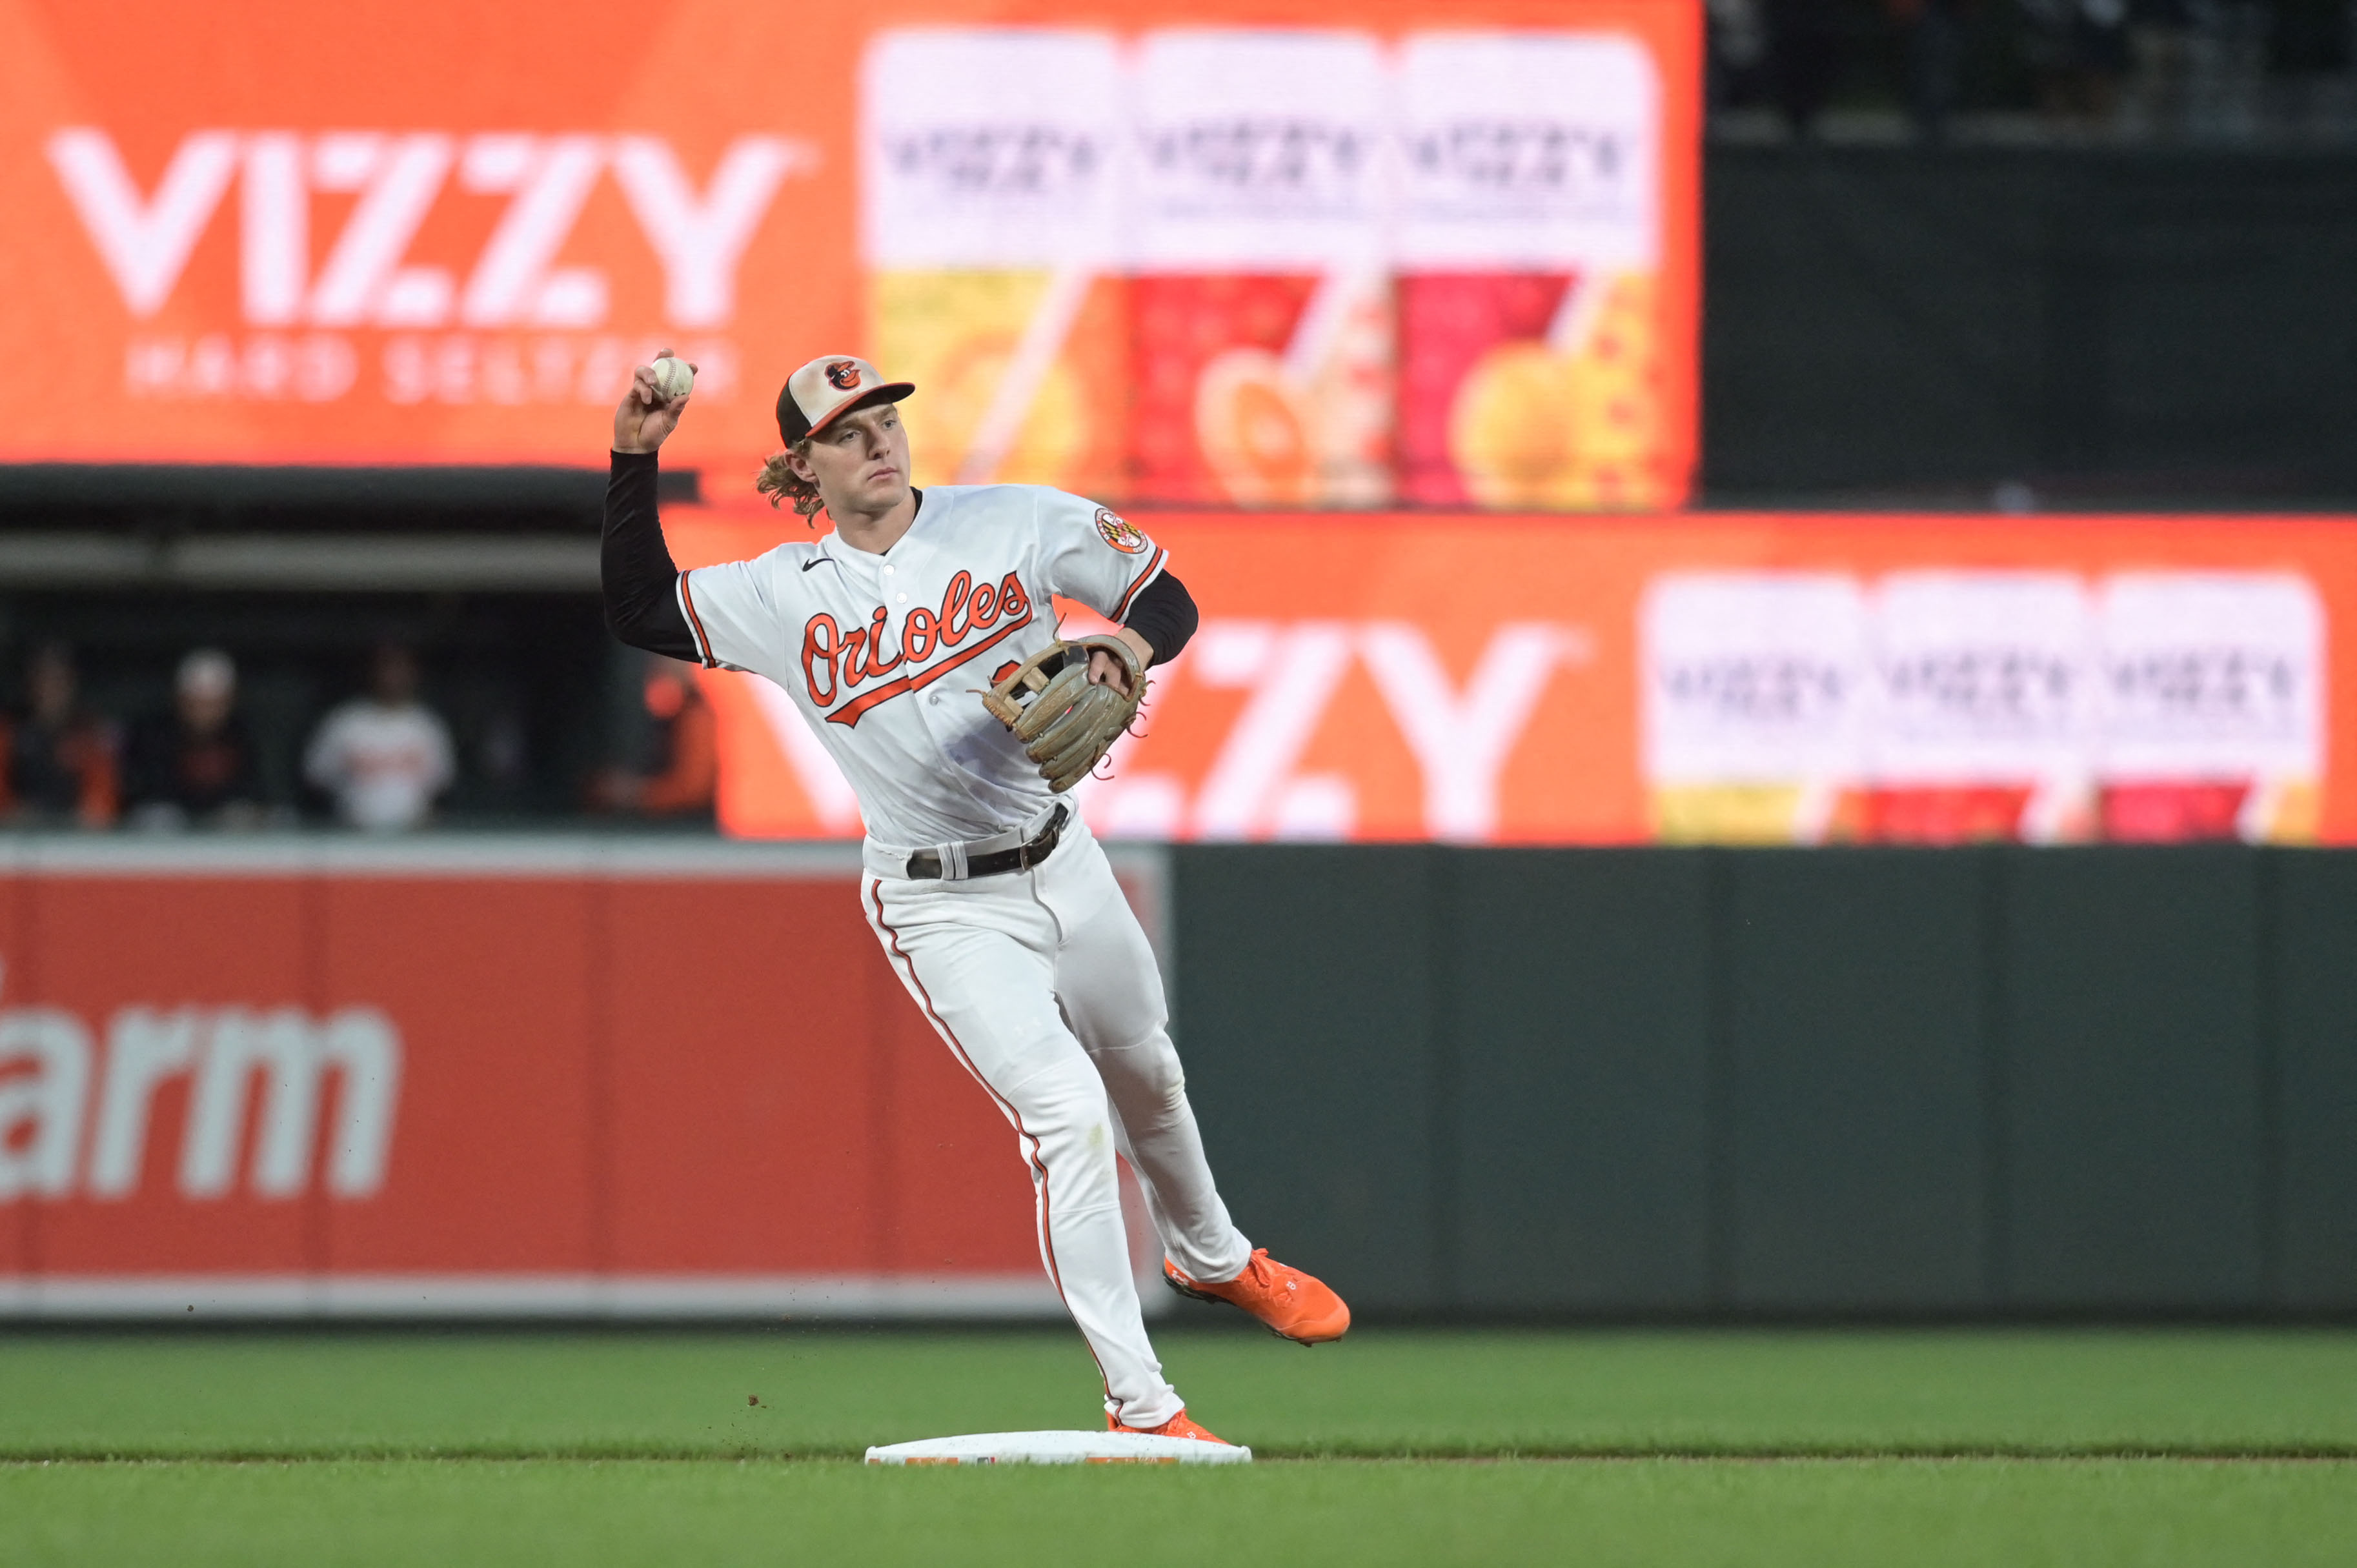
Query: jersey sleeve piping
(695, 625)
(1153, 568)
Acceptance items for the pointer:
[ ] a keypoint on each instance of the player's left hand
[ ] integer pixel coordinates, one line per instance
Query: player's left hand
(1064, 712)
(644, 417)
(1105, 670)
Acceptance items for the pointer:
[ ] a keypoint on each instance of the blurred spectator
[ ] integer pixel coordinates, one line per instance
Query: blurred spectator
(2227, 79)
(2078, 49)
(59, 758)
(687, 772)
(2154, 101)
(196, 763)
(1934, 34)
(386, 756)
(1739, 51)
(2201, 66)
(1805, 49)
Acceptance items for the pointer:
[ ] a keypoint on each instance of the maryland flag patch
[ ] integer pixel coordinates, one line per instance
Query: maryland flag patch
(1120, 532)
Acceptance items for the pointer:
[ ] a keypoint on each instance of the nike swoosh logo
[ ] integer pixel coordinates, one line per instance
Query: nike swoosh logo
(820, 560)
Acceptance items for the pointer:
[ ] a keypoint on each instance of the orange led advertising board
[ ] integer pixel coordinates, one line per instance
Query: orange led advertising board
(1292, 253)
(1745, 679)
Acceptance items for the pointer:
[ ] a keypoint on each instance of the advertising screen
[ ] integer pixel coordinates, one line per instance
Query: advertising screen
(1288, 255)
(1728, 679)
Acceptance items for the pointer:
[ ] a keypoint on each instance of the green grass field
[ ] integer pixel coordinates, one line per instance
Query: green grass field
(1394, 1447)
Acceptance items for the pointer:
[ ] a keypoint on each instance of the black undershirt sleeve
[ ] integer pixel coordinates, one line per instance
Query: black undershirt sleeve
(641, 580)
(641, 583)
(1163, 614)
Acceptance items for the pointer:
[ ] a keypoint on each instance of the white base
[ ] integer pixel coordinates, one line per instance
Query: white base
(1060, 1448)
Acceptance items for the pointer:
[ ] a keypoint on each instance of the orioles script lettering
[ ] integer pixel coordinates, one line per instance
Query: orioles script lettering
(836, 662)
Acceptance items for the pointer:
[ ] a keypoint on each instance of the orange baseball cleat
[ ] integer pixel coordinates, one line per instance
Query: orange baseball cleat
(1297, 1306)
(1177, 1426)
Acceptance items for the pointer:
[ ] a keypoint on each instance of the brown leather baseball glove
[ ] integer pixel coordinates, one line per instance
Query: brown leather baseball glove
(1064, 723)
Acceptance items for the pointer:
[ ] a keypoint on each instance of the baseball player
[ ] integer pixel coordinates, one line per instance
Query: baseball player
(993, 904)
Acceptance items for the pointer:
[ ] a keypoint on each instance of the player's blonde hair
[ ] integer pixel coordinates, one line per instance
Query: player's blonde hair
(780, 483)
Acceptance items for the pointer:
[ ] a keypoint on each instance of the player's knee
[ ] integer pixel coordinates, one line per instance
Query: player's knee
(1167, 1090)
(1150, 1075)
(1063, 1101)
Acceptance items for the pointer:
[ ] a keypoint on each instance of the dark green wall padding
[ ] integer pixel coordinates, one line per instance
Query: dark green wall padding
(1798, 1083)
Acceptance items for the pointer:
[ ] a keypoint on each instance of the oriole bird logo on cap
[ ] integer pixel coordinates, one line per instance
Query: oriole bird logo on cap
(823, 390)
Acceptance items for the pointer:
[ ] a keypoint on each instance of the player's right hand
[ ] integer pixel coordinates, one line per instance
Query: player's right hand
(644, 418)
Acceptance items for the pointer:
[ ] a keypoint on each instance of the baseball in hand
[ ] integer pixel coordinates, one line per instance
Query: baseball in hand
(674, 378)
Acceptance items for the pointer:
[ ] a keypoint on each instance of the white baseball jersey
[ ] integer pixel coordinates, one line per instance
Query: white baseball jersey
(887, 655)
(384, 764)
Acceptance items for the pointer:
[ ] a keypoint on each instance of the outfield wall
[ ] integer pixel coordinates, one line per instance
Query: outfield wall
(559, 1075)
(615, 1077)
(1868, 1082)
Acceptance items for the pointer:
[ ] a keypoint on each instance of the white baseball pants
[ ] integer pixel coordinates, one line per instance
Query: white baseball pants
(1045, 988)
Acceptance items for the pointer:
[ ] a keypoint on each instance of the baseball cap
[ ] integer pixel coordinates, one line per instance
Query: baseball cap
(828, 388)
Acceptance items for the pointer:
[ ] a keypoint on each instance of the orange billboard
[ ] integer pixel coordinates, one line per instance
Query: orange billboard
(1267, 252)
(1744, 679)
